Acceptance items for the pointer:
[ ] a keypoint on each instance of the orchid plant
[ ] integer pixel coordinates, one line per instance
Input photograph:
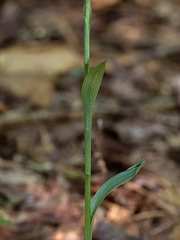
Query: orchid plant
(89, 91)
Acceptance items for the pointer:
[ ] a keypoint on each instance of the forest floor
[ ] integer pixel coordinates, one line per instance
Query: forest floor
(137, 113)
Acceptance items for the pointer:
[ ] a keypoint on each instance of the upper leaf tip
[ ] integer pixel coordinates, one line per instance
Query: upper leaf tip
(142, 160)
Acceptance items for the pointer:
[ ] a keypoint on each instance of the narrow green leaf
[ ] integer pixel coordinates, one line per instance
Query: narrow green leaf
(91, 87)
(112, 183)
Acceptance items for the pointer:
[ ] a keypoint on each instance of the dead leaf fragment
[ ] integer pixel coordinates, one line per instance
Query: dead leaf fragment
(37, 89)
(98, 5)
(176, 233)
(118, 214)
(40, 59)
(67, 234)
(27, 71)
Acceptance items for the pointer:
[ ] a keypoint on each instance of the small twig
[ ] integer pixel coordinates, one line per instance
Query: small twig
(170, 209)
(18, 118)
(161, 229)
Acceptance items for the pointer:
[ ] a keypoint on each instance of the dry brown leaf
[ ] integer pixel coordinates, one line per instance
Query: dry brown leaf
(118, 214)
(172, 195)
(39, 59)
(99, 5)
(26, 72)
(37, 89)
(176, 233)
(71, 232)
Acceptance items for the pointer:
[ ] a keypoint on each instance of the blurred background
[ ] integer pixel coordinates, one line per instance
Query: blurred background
(136, 114)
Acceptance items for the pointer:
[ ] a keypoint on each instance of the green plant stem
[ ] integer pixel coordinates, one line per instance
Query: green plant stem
(87, 123)
(87, 24)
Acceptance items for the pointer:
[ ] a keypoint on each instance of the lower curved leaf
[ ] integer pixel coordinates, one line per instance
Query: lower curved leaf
(112, 183)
